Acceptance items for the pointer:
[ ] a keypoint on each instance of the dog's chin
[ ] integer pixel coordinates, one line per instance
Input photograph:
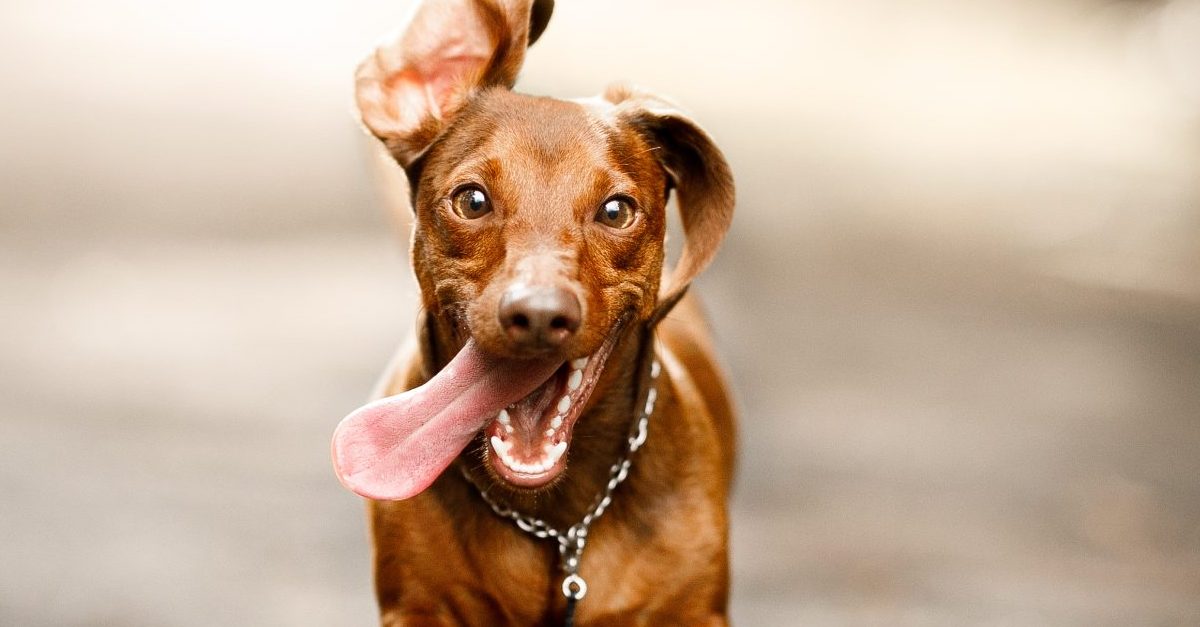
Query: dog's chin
(527, 444)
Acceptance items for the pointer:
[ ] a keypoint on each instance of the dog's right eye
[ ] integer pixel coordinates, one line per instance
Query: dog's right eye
(471, 203)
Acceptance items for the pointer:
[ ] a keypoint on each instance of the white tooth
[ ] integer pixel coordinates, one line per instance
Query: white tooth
(575, 380)
(503, 417)
(578, 364)
(655, 369)
(564, 404)
(508, 429)
(557, 451)
(556, 423)
(500, 446)
(549, 433)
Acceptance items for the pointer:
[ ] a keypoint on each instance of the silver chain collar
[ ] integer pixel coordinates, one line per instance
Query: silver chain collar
(572, 541)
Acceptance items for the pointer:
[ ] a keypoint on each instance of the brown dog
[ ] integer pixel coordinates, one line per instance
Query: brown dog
(569, 418)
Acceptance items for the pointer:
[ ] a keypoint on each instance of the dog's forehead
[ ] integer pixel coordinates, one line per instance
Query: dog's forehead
(539, 143)
(550, 135)
(532, 123)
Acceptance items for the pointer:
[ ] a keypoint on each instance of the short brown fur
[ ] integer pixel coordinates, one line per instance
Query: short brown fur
(659, 555)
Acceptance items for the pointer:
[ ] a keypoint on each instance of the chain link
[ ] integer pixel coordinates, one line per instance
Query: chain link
(574, 539)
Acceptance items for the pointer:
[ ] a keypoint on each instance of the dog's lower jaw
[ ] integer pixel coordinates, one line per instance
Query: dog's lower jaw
(526, 445)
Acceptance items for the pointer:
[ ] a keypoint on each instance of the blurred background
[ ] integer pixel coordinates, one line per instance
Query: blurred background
(960, 303)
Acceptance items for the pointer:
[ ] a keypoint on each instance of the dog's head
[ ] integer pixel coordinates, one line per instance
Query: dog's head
(540, 223)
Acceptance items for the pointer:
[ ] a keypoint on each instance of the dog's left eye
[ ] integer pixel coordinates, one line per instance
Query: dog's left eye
(472, 203)
(616, 213)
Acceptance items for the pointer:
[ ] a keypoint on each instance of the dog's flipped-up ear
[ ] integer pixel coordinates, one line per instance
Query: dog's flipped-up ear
(698, 172)
(412, 86)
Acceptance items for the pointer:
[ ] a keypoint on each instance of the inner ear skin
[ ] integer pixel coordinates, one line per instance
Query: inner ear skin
(547, 168)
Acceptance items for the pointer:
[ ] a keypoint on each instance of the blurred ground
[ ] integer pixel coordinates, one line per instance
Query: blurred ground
(961, 303)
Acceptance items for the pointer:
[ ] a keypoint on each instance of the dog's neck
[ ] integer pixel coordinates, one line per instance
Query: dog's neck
(600, 437)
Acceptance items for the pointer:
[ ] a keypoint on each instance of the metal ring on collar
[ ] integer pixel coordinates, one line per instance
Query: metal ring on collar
(580, 587)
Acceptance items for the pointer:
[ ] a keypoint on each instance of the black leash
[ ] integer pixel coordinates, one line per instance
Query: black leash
(569, 616)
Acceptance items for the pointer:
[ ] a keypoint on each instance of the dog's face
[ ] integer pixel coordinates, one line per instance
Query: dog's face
(539, 236)
(525, 195)
(539, 232)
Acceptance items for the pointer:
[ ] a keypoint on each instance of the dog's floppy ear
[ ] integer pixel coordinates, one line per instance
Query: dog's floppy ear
(699, 174)
(412, 86)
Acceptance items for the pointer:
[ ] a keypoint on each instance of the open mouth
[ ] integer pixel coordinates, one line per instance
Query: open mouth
(395, 447)
(527, 441)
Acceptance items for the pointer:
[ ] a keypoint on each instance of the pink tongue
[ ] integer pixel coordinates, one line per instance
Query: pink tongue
(393, 448)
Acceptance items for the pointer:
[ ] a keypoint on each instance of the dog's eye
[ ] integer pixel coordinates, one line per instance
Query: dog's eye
(472, 203)
(616, 213)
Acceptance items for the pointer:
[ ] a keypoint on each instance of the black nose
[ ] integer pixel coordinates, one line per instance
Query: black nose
(539, 317)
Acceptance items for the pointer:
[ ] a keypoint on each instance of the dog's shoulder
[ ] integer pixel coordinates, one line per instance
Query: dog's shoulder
(404, 371)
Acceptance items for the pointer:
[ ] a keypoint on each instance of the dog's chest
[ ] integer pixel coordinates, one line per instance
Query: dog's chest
(636, 575)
